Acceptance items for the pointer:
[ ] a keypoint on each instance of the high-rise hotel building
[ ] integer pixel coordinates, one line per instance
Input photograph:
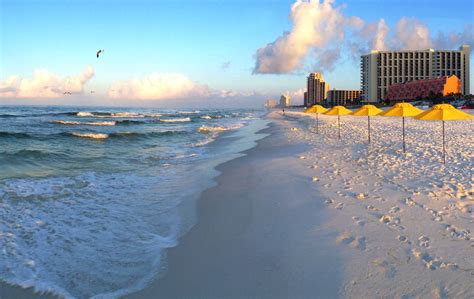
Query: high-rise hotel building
(317, 90)
(380, 69)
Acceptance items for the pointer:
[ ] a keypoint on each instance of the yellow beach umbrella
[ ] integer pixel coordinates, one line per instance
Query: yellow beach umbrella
(367, 110)
(316, 109)
(402, 110)
(338, 110)
(443, 112)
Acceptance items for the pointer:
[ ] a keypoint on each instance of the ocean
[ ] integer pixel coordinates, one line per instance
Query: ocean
(91, 197)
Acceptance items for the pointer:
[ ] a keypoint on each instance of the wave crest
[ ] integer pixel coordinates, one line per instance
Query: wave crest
(175, 120)
(91, 135)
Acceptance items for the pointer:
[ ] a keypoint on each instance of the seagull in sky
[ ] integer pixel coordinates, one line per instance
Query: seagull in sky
(98, 53)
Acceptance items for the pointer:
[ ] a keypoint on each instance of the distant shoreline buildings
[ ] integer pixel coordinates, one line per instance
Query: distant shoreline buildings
(398, 76)
(380, 69)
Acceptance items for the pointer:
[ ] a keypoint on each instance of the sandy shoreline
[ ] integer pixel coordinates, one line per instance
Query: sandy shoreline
(303, 215)
(257, 235)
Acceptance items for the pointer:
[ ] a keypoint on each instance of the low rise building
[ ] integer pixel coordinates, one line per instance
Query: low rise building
(417, 89)
(343, 97)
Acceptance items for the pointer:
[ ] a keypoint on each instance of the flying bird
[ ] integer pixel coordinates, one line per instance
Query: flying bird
(92, 91)
(98, 53)
(67, 92)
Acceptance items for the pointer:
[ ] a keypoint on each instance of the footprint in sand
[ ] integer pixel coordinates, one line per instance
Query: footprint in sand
(393, 210)
(424, 241)
(339, 206)
(328, 185)
(328, 201)
(358, 221)
(456, 233)
(372, 208)
(356, 242)
(359, 243)
(402, 239)
(409, 202)
(385, 268)
(430, 262)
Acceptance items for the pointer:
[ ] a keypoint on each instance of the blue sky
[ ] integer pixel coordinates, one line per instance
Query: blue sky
(193, 38)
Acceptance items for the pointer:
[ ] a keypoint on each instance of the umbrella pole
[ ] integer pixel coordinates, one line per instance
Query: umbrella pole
(403, 132)
(368, 126)
(444, 147)
(339, 126)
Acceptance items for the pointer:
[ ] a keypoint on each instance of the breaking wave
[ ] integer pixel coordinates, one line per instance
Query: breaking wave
(175, 120)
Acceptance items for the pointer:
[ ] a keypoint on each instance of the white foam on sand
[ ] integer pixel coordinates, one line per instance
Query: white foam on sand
(76, 225)
(404, 220)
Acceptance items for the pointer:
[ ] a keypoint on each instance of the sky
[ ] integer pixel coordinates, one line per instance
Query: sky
(207, 52)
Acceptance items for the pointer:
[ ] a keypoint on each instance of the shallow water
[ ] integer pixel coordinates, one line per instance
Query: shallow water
(90, 197)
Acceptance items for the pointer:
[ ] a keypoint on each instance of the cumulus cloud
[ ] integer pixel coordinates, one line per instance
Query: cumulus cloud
(314, 25)
(158, 86)
(44, 84)
(411, 34)
(446, 40)
(327, 59)
(322, 28)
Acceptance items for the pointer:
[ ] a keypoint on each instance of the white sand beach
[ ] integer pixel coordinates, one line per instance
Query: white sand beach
(305, 215)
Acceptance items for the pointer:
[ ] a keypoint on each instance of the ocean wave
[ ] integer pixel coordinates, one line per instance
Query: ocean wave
(36, 154)
(89, 123)
(8, 115)
(95, 135)
(146, 134)
(81, 221)
(206, 117)
(189, 112)
(91, 135)
(215, 129)
(210, 129)
(116, 114)
(87, 114)
(174, 120)
(14, 134)
(129, 122)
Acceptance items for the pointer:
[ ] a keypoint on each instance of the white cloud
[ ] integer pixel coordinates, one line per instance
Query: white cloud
(411, 34)
(315, 25)
(321, 28)
(158, 86)
(44, 84)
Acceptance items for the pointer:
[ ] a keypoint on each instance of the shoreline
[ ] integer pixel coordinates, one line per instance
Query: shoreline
(306, 215)
(255, 238)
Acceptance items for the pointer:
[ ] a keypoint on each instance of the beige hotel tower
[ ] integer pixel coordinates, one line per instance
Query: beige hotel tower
(380, 69)
(316, 90)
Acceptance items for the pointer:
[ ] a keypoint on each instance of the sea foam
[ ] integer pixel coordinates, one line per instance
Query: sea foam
(91, 135)
(175, 120)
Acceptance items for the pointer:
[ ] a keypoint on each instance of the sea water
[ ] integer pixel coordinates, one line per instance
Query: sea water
(90, 198)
